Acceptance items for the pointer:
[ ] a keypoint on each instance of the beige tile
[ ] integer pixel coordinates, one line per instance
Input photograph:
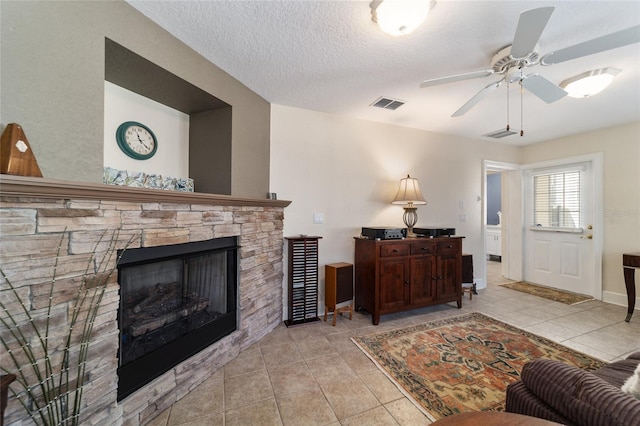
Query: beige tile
(375, 417)
(263, 413)
(291, 378)
(596, 353)
(341, 341)
(305, 331)
(215, 419)
(553, 331)
(314, 374)
(540, 314)
(161, 419)
(314, 347)
(619, 338)
(308, 407)
(330, 368)
(282, 354)
(349, 397)
(358, 361)
(246, 362)
(406, 414)
(206, 399)
(247, 389)
(278, 336)
(381, 386)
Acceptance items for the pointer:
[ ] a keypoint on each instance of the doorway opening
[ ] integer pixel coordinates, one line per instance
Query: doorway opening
(502, 219)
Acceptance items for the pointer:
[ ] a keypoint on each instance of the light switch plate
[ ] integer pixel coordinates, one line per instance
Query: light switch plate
(318, 218)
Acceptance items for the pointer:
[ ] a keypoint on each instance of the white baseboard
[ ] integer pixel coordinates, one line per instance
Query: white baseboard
(618, 299)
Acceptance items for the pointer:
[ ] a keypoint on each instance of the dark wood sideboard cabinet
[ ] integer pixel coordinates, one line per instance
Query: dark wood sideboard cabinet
(398, 275)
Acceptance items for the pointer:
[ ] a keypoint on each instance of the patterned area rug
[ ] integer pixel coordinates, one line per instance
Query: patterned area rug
(463, 363)
(565, 297)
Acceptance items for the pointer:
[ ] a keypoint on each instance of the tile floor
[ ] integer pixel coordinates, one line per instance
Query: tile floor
(314, 375)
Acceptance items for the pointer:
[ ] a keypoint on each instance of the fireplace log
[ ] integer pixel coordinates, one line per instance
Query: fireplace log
(167, 296)
(163, 305)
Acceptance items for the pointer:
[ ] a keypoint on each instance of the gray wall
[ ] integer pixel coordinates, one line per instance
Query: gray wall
(209, 154)
(494, 198)
(52, 82)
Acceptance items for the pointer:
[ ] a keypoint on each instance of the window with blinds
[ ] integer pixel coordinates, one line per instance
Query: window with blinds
(557, 200)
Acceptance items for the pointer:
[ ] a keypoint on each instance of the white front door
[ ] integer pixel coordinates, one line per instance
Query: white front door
(562, 240)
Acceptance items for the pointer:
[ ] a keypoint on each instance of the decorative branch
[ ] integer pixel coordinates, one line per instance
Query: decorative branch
(47, 401)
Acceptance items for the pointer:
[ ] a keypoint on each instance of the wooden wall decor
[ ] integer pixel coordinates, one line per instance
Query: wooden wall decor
(16, 155)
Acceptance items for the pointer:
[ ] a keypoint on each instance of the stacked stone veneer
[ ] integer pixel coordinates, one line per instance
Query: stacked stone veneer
(32, 230)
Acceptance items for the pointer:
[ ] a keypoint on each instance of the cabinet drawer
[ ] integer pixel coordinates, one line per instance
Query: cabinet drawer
(387, 250)
(423, 248)
(448, 247)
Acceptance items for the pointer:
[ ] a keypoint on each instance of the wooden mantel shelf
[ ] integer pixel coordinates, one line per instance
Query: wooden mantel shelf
(21, 186)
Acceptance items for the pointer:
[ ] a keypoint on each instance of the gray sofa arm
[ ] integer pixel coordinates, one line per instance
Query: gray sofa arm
(580, 396)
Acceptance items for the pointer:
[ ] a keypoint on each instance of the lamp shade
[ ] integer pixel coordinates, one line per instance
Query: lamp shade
(409, 192)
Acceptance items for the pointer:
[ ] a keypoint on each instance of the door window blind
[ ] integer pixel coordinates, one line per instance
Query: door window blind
(557, 200)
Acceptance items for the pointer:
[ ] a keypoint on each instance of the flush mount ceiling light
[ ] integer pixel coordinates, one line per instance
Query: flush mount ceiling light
(399, 17)
(589, 83)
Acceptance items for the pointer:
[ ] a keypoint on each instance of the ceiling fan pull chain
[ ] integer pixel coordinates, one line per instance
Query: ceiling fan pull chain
(508, 127)
(521, 105)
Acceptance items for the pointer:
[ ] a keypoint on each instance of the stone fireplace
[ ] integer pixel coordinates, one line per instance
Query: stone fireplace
(36, 214)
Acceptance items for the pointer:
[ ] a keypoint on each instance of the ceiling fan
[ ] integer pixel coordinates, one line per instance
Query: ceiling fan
(511, 61)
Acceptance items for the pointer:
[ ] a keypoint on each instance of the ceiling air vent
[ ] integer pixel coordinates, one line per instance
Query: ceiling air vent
(387, 103)
(500, 134)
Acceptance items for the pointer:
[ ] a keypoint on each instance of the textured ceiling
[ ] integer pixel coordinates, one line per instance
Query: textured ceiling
(329, 56)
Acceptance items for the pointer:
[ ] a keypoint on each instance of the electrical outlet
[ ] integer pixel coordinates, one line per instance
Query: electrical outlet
(463, 217)
(318, 218)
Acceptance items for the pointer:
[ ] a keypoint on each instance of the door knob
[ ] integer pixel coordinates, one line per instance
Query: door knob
(588, 237)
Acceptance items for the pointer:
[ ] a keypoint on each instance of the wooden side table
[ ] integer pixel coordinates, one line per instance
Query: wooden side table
(630, 262)
(338, 289)
(492, 418)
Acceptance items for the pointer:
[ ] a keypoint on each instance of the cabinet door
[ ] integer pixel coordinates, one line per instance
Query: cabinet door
(498, 244)
(494, 245)
(448, 280)
(423, 279)
(394, 279)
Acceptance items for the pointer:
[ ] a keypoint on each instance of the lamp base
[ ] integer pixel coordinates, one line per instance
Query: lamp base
(410, 218)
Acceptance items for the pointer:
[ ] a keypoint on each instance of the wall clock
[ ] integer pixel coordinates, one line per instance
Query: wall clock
(136, 140)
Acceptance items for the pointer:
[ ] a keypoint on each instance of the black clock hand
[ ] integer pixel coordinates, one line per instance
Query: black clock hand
(144, 144)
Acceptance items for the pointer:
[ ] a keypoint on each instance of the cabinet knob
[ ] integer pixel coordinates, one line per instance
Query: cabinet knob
(449, 246)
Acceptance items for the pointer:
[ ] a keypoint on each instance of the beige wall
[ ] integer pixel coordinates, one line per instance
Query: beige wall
(52, 83)
(621, 192)
(349, 170)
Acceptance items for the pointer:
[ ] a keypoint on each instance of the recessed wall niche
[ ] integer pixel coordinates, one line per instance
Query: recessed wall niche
(209, 117)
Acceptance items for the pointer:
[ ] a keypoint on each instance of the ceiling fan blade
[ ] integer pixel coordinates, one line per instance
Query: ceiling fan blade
(458, 77)
(543, 88)
(530, 27)
(477, 98)
(596, 45)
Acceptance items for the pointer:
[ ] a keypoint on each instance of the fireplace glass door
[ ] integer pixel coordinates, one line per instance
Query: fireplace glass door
(172, 303)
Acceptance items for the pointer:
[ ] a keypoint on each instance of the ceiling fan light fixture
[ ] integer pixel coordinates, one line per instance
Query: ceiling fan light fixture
(399, 17)
(589, 83)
